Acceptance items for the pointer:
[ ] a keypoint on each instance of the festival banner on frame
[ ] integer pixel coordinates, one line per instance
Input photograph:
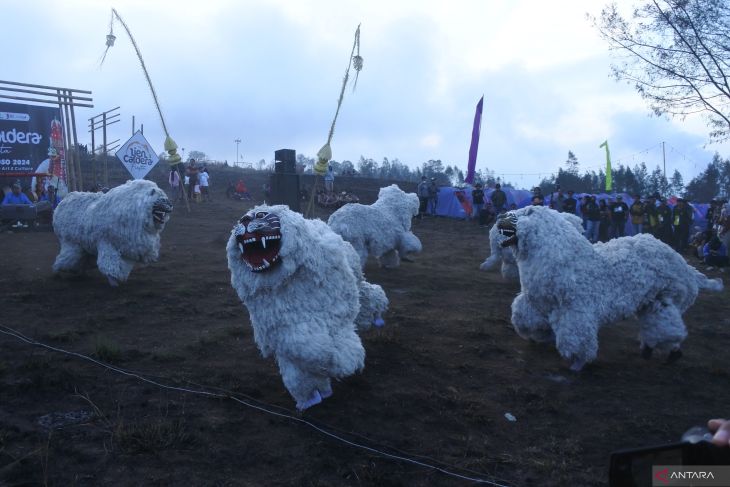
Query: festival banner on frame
(31, 143)
(137, 156)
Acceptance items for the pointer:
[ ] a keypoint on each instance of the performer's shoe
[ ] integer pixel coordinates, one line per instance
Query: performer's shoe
(646, 352)
(325, 394)
(312, 401)
(379, 322)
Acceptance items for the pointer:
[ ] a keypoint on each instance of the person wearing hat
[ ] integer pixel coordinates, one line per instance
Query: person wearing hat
(570, 204)
(619, 213)
(477, 200)
(17, 197)
(682, 222)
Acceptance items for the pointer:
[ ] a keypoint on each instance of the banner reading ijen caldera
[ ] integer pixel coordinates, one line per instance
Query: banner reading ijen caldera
(31, 143)
(137, 156)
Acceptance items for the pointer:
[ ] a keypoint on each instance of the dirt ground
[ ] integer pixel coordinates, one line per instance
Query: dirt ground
(437, 382)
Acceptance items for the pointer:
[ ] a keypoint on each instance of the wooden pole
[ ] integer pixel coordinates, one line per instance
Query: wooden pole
(93, 152)
(70, 173)
(106, 163)
(76, 145)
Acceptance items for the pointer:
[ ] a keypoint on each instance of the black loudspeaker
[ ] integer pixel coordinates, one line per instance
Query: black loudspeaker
(285, 161)
(285, 190)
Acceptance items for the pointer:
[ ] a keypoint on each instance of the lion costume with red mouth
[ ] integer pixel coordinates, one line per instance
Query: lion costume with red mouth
(306, 296)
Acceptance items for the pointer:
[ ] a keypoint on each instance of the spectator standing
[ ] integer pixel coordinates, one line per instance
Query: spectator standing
(204, 181)
(570, 204)
(192, 174)
(422, 196)
(712, 213)
(664, 218)
(556, 202)
(433, 194)
(174, 180)
(477, 199)
(715, 253)
(593, 219)
(499, 199)
(604, 229)
(619, 213)
(329, 180)
(682, 222)
(584, 211)
(637, 212)
(651, 222)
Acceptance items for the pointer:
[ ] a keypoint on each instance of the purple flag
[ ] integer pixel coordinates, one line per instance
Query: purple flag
(474, 142)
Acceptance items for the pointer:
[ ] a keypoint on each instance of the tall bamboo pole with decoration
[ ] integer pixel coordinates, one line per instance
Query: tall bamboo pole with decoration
(325, 153)
(173, 158)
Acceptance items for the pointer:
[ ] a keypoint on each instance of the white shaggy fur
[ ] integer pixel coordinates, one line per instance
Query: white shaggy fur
(382, 229)
(570, 288)
(506, 256)
(117, 227)
(305, 309)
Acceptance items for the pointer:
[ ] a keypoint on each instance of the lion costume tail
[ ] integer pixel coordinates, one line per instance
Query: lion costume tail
(704, 282)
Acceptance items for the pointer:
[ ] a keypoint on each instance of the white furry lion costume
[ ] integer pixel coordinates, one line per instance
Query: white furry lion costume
(506, 256)
(570, 288)
(121, 228)
(382, 229)
(306, 294)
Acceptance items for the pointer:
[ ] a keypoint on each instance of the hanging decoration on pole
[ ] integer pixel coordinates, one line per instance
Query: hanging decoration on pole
(173, 157)
(609, 176)
(325, 153)
(474, 147)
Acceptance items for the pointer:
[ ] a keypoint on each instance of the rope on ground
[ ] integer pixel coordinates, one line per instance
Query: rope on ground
(446, 469)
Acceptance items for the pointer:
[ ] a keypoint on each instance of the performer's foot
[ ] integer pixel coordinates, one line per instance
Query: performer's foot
(315, 399)
(674, 355)
(406, 259)
(326, 393)
(379, 322)
(577, 365)
(112, 282)
(646, 352)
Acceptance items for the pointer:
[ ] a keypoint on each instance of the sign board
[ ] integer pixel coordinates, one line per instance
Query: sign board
(137, 156)
(31, 142)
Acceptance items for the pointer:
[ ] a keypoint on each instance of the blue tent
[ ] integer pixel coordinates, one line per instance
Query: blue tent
(448, 204)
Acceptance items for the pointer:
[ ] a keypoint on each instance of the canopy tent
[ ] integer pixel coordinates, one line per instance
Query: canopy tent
(449, 205)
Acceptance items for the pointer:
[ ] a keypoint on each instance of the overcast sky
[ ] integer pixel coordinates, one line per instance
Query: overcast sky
(269, 73)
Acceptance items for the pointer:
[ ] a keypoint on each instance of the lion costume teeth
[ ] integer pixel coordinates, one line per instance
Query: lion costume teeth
(306, 296)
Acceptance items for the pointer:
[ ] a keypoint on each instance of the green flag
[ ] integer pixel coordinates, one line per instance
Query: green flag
(609, 178)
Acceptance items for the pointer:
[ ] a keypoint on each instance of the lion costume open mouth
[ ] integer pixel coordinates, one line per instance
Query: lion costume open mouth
(507, 226)
(161, 210)
(258, 237)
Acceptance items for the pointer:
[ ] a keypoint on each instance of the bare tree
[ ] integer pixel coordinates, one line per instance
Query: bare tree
(677, 55)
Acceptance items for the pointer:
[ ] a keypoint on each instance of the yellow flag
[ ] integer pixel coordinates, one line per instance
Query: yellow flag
(609, 178)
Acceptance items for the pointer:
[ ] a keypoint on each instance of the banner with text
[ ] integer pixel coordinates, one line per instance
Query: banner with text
(31, 142)
(137, 156)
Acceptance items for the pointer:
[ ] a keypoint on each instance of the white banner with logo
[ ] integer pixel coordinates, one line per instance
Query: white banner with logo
(137, 156)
